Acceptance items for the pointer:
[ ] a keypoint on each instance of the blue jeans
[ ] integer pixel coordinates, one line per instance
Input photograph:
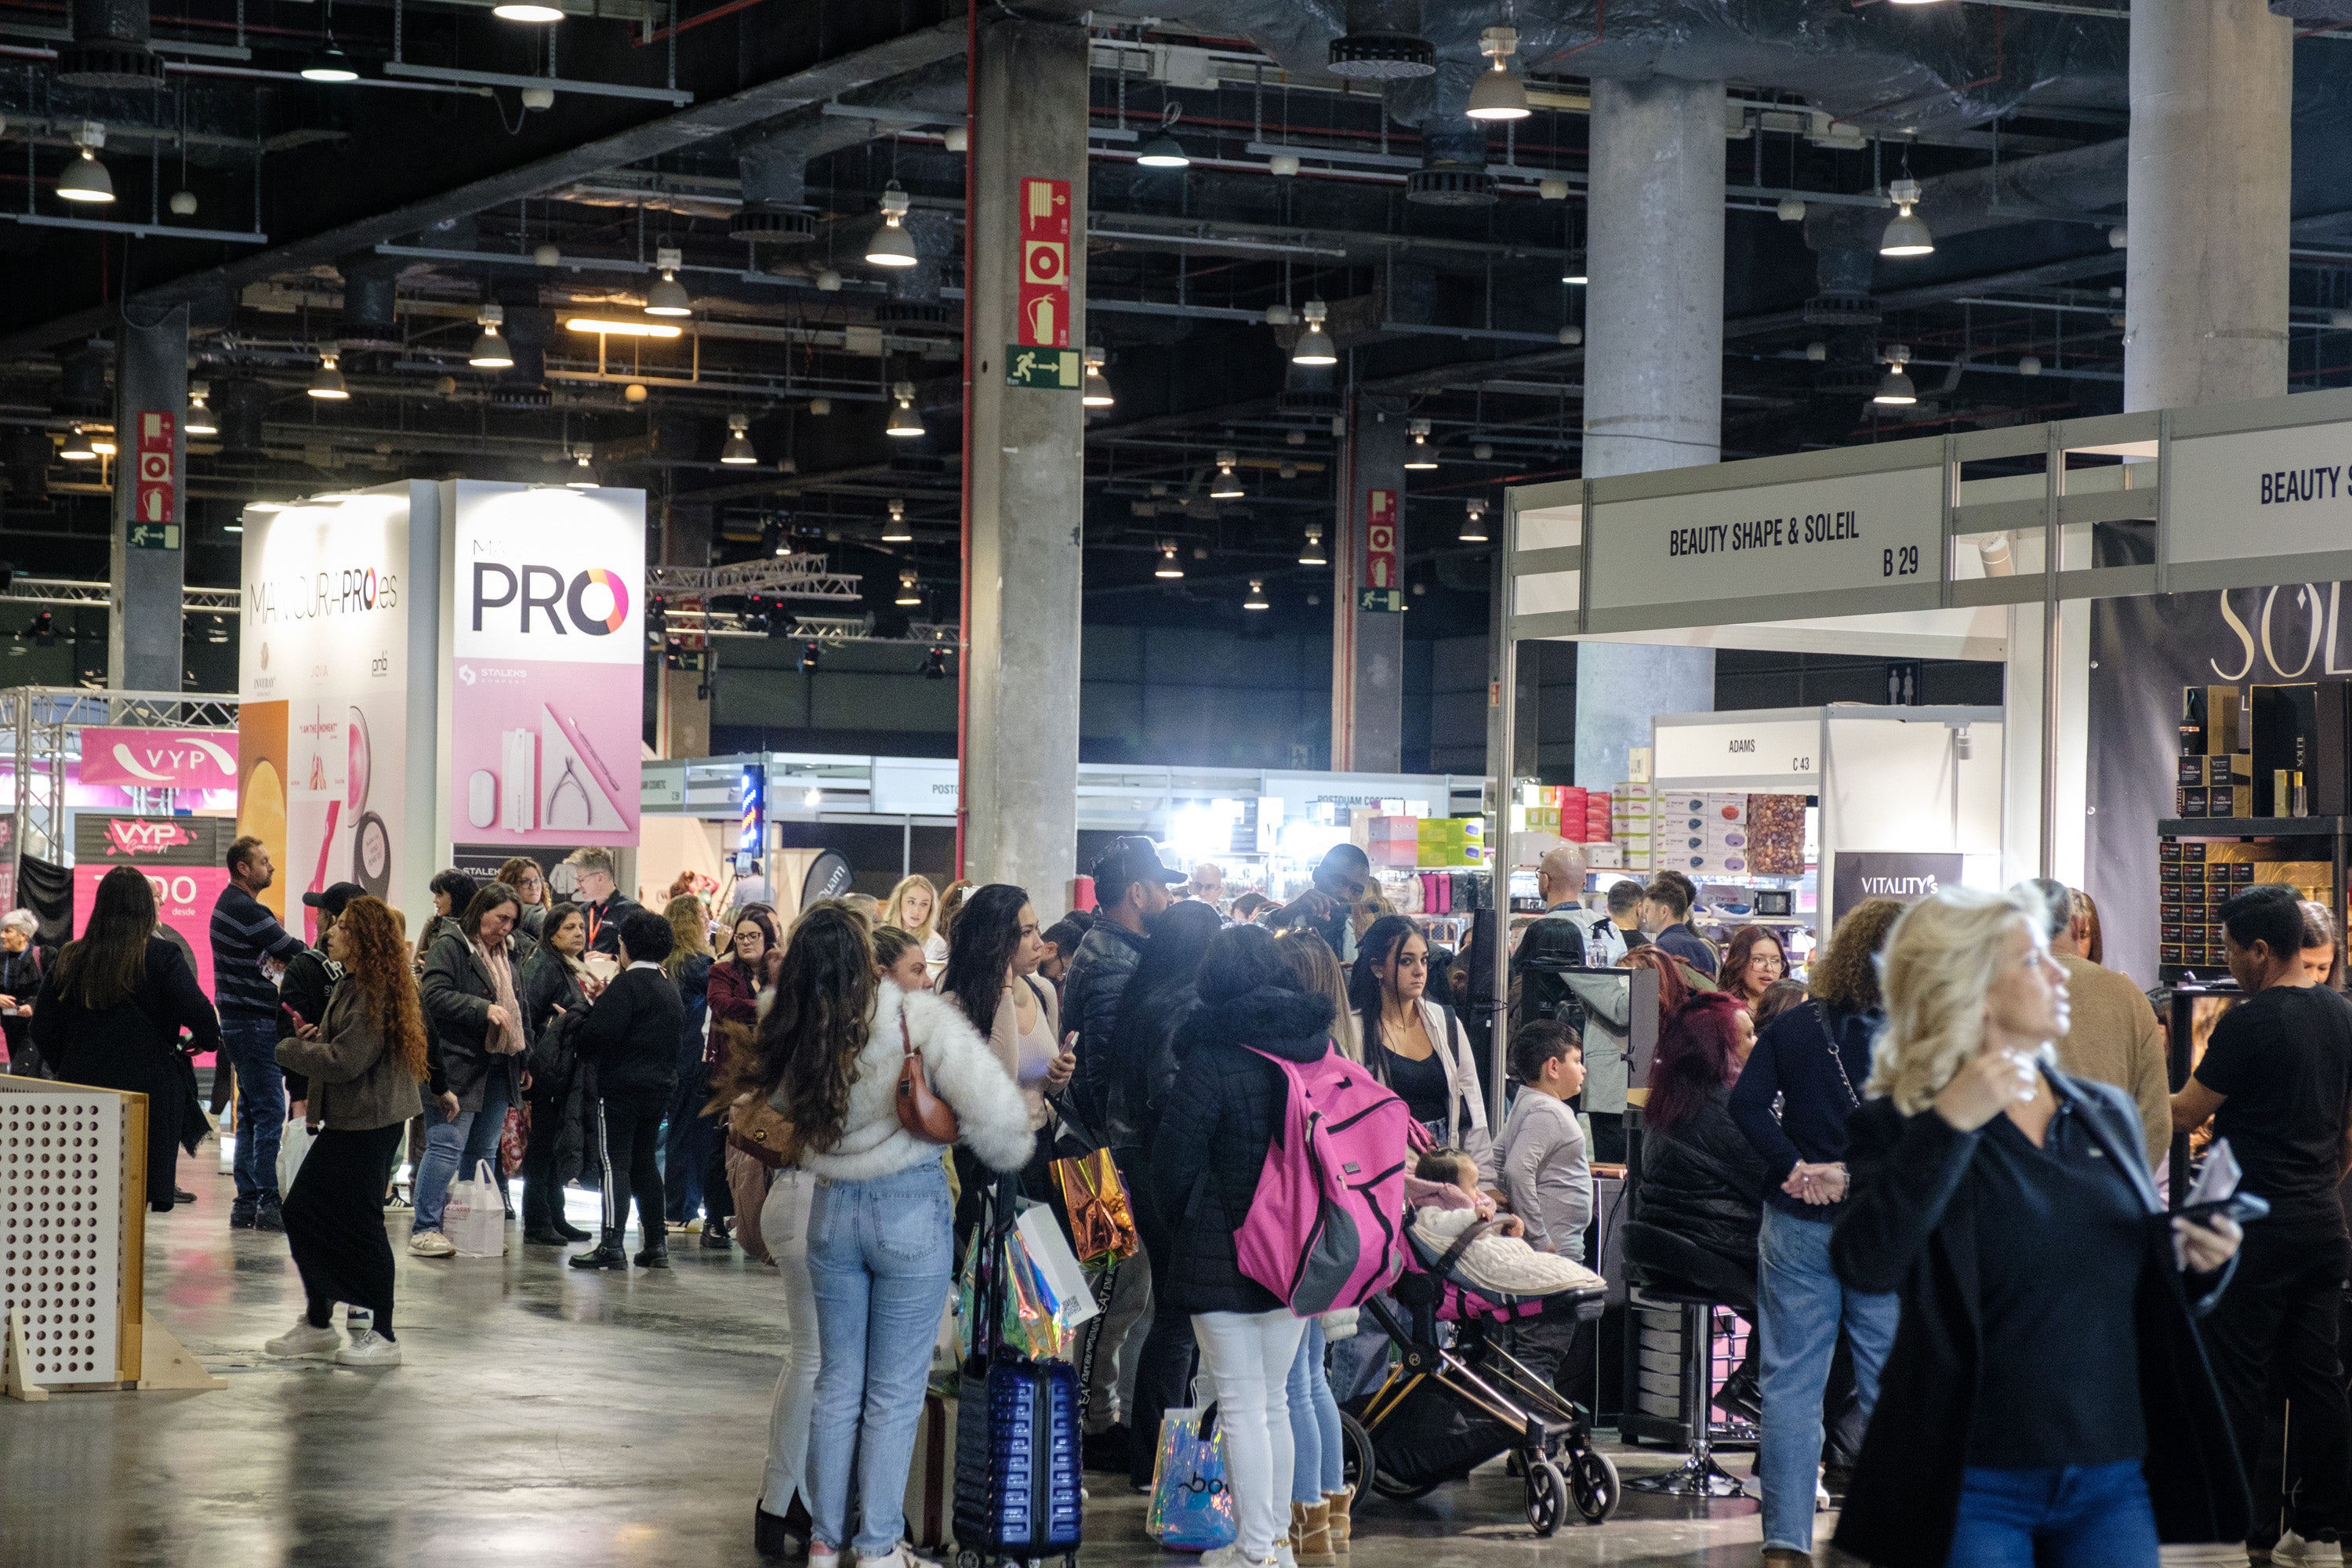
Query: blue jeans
(455, 1148)
(879, 1256)
(1800, 1308)
(2066, 1516)
(252, 1048)
(1320, 1467)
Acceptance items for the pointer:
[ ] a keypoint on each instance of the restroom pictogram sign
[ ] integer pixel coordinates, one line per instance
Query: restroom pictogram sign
(1044, 264)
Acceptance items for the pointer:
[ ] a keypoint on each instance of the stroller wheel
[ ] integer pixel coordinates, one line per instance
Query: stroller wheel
(1361, 1461)
(1546, 1496)
(1592, 1485)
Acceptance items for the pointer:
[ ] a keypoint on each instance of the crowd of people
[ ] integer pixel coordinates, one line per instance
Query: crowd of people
(1930, 1170)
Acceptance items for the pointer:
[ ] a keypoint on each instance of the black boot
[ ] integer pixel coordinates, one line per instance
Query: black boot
(714, 1236)
(655, 1254)
(607, 1253)
(541, 1236)
(785, 1535)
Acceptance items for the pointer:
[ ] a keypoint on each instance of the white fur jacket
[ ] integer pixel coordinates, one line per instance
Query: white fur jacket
(962, 1072)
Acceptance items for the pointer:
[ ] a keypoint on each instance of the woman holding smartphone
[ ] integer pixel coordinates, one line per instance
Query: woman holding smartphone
(2047, 1401)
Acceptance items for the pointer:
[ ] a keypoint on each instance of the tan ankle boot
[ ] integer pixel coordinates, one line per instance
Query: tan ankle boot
(1339, 1506)
(1310, 1534)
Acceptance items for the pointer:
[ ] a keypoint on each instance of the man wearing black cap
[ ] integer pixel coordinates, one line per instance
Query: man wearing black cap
(1130, 890)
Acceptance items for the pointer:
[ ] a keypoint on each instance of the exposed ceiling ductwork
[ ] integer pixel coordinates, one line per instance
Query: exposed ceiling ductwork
(110, 48)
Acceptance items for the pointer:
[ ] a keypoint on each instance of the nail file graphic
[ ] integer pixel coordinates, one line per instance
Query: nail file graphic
(520, 795)
(571, 794)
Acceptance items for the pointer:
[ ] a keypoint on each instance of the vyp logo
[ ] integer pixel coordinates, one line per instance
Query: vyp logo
(595, 601)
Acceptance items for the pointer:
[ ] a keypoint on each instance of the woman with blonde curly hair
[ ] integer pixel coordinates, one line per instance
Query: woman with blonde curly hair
(365, 1060)
(2046, 1400)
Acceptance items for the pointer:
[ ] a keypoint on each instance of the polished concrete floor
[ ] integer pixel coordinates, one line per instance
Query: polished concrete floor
(547, 1416)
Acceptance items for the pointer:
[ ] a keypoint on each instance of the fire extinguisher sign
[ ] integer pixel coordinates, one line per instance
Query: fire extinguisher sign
(155, 520)
(1044, 264)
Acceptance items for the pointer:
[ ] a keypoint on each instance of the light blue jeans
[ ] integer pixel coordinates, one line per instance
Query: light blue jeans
(1801, 1306)
(1320, 1467)
(457, 1147)
(879, 1258)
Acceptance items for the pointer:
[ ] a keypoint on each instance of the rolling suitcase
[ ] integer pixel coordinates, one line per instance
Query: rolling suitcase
(1017, 1442)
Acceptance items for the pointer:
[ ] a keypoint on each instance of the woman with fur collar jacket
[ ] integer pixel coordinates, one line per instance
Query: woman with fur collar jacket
(828, 1057)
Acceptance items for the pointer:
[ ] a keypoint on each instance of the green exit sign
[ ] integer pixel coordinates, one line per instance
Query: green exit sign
(154, 536)
(1042, 367)
(1386, 600)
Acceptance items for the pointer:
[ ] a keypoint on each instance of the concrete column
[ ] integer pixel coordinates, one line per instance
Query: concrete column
(146, 559)
(1652, 365)
(2206, 275)
(684, 725)
(1026, 461)
(1367, 648)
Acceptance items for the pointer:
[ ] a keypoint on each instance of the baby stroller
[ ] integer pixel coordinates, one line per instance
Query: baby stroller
(1450, 1403)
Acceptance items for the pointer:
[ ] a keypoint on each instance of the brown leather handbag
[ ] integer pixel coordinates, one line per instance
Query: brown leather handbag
(921, 1112)
(763, 1131)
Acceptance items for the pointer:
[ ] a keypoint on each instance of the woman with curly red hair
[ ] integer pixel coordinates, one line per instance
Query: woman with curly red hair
(365, 1060)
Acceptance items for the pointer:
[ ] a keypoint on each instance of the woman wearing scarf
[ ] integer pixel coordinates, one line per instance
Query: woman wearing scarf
(479, 1041)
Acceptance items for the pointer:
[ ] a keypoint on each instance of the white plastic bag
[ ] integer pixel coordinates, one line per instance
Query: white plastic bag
(1040, 1234)
(476, 1220)
(293, 1145)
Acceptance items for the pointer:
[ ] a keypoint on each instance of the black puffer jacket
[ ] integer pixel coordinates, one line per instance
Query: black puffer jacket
(1705, 1182)
(1091, 992)
(1223, 1108)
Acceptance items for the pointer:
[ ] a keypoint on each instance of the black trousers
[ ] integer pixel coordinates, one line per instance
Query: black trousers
(1557, 1348)
(629, 1129)
(1163, 1369)
(717, 1195)
(543, 1194)
(2273, 1340)
(334, 1224)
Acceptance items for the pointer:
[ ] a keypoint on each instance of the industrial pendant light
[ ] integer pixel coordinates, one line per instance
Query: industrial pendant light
(1905, 235)
(583, 477)
(1896, 390)
(1226, 487)
(1255, 599)
(1169, 567)
(897, 530)
(490, 350)
(738, 453)
(200, 417)
(1420, 459)
(85, 179)
(891, 245)
(329, 64)
(1314, 346)
(518, 12)
(102, 443)
(1311, 552)
(1094, 392)
(1473, 523)
(668, 296)
(1498, 94)
(1163, 150)
(327, 383)
(907, 593)
(78, 449)
(904, 420)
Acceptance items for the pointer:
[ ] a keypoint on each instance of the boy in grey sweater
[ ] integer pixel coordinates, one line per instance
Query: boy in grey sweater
(1547, 1177)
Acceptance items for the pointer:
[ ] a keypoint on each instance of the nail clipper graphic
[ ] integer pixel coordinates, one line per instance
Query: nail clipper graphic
(577, 790)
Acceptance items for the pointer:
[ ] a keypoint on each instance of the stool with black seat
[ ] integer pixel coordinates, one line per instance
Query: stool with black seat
(1669, 1269)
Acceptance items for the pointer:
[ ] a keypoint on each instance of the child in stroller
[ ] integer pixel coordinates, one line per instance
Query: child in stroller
(1455, 1398)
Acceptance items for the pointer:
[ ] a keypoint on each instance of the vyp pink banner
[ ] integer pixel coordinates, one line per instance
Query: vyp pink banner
(160, 759)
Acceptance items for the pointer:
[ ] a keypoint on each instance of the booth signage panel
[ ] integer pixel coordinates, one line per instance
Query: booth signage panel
(1801, 537)
(182, 859)
(1758, 749)
(2261, 492)
(914, 786)
(1864, 873)
(544, 601)
(159, 759)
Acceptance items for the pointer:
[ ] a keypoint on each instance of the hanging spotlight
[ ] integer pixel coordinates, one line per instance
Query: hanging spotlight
(583, 477)
(1163, 150)
(1482, 450)
(490, 350)
(78, 447)
(1169, 567)
(329, 64)
(2029, 365)
(935, 664)
(513, 12)
(1571, 271)
(1226, 487)
(1095, 391)
(102, 443)
(904, 420)
(1288, 471)
(1314, 346)
(623, 327)
(1311, 552)
(810, 655)
(907, 593)
(200, 417)
(1473, 523)
(668, 296)
(327, 383)
(738, 453)
(1420, 459)
(1255, 599)
(1498, 94)
(1905, 235)
(1896, 391)
(85, 179)
(891, 245)
(897, 530)
(44, 630)
(1789, 209)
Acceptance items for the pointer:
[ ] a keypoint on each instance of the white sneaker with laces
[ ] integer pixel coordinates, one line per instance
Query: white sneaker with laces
(302, 1340)
(899, 1556)
(1233, 1557)
(431, 1244)
(369, 1348)
(2293, 1548)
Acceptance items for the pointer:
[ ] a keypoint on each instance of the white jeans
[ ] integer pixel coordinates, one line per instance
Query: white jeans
(1247, 1357)
(785, 1227)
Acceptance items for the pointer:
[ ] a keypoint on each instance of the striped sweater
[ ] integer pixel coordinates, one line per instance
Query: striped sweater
(244, 933)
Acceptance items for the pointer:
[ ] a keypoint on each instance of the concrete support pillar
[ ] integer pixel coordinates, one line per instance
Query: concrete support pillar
(2206, 274)
(146, 560)
(1027, 461)
(1652, 365)
(1368, 646)
(684, 724)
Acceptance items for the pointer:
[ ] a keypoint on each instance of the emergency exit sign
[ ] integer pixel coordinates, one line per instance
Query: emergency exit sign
(1042, 367)
(154, 521)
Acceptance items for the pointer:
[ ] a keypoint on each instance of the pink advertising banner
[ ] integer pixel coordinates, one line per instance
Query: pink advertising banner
(160, 759)
(181, 857)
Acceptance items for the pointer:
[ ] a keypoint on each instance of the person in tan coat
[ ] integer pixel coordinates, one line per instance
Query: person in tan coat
(2115, 1039)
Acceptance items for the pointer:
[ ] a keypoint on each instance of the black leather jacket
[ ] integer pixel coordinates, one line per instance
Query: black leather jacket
(1705, 1182)
(1091, 992)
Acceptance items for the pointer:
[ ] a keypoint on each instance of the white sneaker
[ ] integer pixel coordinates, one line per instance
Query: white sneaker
(1284, 1556)
(431, 1244)
(2293, 1548)
(369, 1348)
(302, 1340)
(899, 1556)
(1233, 1557)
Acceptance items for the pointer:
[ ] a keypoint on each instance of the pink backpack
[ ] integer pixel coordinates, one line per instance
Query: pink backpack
(1326, 1228)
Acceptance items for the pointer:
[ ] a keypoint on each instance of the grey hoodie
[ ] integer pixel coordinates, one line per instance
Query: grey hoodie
(1546, 1173)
